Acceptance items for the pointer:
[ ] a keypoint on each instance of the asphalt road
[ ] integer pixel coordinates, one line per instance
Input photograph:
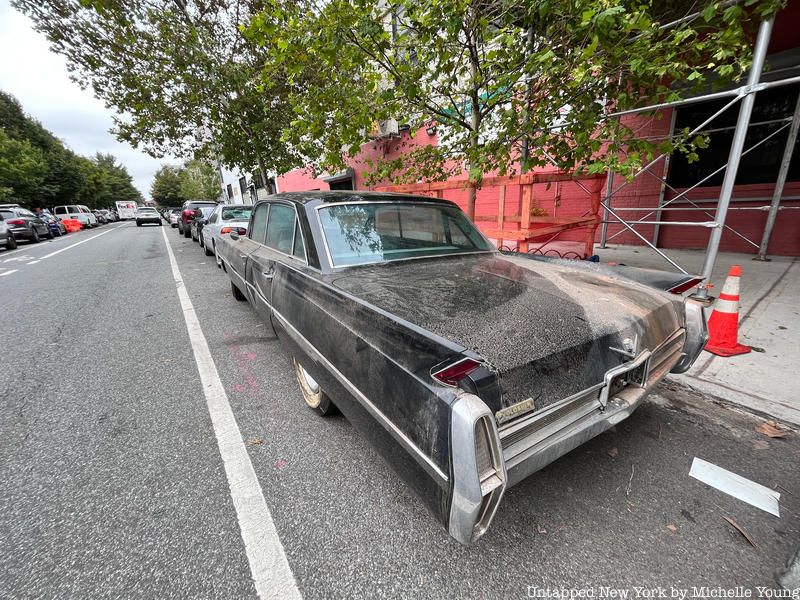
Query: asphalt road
(112, 485)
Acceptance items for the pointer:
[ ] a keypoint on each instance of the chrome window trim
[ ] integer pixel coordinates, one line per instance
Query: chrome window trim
(422, 459)
(269, 203)
(318, 208)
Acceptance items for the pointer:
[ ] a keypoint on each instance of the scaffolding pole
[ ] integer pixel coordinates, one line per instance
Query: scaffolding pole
(782, 173)
(609, 192)
(745, 110)
(663, 188)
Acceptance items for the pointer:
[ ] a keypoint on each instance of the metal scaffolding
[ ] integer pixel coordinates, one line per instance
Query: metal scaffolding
(745, 95)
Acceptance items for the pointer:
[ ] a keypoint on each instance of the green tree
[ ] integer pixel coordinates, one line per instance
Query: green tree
(188, 82)
(199, 181)
(166, 189)
(22, 169)
(509, 84)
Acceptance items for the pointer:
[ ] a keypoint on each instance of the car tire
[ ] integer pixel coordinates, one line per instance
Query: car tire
(186, 233)
(216, 256)
(237, 293)
(11, 242)
(138, 224)
(314, 397)
(50, 234)
(206, 250)
(35, 236)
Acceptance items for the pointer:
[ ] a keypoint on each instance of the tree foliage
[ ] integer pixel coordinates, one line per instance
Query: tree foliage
(196, 179)
(188, 82)
(200, 181)
(496, 77)
(166, 188)
(37, 169)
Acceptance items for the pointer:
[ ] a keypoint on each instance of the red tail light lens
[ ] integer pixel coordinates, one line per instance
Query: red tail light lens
(226, 230)
(18, 222)
(456, 372)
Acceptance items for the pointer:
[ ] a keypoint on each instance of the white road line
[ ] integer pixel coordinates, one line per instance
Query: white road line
(76, 244)
(33, 262)
(271, 572)
(8, 272)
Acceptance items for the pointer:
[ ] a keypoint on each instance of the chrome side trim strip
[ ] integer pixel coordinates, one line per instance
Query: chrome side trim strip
(423, 459)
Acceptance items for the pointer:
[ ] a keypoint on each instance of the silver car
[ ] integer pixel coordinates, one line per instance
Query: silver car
(226, 219)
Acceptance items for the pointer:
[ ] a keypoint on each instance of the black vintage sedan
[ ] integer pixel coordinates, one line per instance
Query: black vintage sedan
(468, 369)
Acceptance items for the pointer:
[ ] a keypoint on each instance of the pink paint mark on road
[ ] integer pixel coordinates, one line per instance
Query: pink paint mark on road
(280, 463)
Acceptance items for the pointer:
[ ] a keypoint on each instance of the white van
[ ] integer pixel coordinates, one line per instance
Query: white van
(78, 212)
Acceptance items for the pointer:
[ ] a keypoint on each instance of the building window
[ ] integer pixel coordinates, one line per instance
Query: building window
(243, 185)
(229, 189)
(758, 166)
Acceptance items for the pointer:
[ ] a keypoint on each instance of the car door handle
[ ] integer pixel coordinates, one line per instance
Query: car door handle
(243, 256)
(268, 274)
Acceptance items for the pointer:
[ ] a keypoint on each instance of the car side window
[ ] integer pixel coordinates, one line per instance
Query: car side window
(258, 226)
(280, 228)
(215, 215)
(299, 250)
(61, 210)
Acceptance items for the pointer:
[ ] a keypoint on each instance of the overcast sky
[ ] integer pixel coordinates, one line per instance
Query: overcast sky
(39, 80)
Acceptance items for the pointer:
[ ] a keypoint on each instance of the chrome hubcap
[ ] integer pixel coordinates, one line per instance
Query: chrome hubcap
(310, 381)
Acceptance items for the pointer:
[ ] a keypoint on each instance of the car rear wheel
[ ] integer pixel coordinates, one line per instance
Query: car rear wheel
(186, 232)
(206, 249)
(11, 242)
(315, 398)
(35, 236)
(237, 293)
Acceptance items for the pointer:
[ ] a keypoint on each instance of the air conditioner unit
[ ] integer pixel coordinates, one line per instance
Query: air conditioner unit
(385, 128)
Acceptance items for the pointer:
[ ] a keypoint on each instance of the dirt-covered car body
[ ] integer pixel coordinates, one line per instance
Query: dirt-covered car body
(468, 369)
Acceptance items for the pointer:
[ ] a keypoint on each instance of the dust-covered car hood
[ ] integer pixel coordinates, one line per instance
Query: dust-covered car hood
(545, 328)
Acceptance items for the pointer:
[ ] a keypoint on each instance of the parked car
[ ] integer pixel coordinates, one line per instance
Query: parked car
(469, 370)
(201, 215)
(109, 216)
(7, 239)
(188, 213)
(78, 212)
(224, 220)
(25, 225)
(55, 225)
(92, 219)
(101, 218)
(146, 214)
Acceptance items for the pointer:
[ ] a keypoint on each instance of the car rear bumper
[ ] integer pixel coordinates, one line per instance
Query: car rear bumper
(531, 442)
(155, 220)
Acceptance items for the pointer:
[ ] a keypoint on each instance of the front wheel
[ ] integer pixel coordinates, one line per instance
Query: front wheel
(315, 398)
(35, 236)
(50, 234)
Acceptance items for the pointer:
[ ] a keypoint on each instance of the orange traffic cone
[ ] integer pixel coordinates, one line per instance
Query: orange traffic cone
(723, 326)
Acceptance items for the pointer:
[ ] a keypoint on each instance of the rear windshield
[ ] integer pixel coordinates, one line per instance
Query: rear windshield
(368, 233)
(148, 210)
(236, 213)
(7, 214)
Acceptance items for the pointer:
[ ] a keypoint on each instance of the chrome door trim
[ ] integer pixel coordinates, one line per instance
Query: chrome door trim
(422, 459)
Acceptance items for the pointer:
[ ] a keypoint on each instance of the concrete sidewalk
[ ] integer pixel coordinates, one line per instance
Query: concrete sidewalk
(766, 380)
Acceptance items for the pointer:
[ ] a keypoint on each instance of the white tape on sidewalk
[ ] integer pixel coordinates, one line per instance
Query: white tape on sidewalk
(271, 572)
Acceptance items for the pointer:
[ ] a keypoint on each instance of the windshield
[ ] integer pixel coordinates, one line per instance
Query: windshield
(236, 213)
(367, 233)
